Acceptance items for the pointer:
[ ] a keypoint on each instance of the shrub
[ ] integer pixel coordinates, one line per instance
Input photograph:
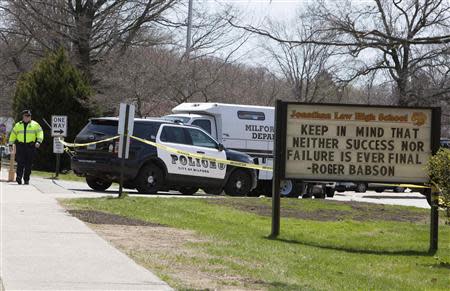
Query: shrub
(439, 171)
(54, 87)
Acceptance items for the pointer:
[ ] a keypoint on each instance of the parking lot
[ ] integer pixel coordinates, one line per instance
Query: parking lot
(61, 188)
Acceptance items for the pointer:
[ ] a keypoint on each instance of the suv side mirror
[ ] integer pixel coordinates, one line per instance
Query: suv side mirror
(220, 147)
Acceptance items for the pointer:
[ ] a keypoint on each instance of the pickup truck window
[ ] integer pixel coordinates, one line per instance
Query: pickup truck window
(251, 115)
(204, 124)
(173, 134)
(200, 139)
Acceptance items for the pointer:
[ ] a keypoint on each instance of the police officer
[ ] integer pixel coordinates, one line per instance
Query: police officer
(28, 136)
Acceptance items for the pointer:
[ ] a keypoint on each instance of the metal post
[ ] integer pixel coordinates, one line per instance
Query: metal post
(124, 145)
(434, 221)
(58, 162)
(12, 157)
(276, 201)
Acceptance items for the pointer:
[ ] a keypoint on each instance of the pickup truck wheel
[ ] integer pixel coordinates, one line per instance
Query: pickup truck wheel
(98, 184)
(319, 195)
(361, 188)
(150, 179)
(239, 184)
(288, 188)
(330, 192)
(188, 190)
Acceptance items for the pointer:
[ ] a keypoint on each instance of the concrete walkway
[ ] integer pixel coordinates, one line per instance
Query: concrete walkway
(44, 248)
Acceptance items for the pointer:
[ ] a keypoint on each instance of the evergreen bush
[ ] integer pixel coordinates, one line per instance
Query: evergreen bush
(54, 87)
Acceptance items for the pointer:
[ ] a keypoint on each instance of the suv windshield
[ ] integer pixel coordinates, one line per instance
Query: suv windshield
(200, 139)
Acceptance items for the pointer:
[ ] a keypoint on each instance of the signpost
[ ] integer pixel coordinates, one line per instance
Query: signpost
(335, 142)
(59, 125)
(125, 130)
(59, 130)
(58, 149)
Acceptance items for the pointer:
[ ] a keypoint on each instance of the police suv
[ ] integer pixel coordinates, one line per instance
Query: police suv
(150, 169)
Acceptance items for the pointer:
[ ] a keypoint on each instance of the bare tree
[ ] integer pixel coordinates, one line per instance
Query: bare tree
(308, 68)
(88, 28)
(396, 36)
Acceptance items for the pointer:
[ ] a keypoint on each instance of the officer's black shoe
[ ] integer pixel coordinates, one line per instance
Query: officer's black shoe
(27, 182)
(19, 181)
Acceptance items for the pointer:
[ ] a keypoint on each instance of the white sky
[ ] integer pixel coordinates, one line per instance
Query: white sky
(256, 13)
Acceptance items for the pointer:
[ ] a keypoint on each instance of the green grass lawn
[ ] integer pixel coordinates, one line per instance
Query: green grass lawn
(309, 254)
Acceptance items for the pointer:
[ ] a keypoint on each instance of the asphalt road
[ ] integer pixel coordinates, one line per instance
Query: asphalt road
(69, 189)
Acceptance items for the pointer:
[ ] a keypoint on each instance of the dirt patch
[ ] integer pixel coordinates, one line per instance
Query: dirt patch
(358, 211)
(98, 217)
(169, 252)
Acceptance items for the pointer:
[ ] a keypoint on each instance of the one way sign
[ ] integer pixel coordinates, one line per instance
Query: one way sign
(59, 125)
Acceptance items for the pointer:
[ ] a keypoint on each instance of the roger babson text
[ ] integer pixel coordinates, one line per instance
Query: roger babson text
(370, 151)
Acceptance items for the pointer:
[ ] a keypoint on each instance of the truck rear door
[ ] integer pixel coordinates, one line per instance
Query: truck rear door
(96, 130)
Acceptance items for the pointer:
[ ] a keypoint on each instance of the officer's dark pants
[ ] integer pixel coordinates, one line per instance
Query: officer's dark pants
(24, 157)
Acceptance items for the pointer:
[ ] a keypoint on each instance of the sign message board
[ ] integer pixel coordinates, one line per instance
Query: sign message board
(356, 143)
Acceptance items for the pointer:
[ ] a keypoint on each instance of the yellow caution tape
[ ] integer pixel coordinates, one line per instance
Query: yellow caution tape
(77, 145)
(203, 157)
(405, 185)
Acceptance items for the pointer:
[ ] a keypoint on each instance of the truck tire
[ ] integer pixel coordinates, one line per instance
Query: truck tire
(150, 179)
(288, 188)
(330, 192)
(361, 188)
(98, 184)
(188, 190)
(320, 195)
(239, 183)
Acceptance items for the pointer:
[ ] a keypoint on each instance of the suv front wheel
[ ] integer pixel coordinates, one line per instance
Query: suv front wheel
(150, 179)
(98, 184)
(239, 184)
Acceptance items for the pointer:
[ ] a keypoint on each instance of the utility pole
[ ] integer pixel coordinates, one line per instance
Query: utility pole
(189, 29)
(188, 44)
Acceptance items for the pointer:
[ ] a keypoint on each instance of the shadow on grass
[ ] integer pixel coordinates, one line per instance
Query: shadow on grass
(441, 265)
(284, 286)
(355, 250)
(394, 197)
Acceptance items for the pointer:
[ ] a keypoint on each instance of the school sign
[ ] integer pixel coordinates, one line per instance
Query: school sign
(335, 142)
(358, 143)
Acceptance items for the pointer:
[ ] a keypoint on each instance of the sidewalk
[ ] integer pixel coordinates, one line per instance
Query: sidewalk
(44, 248)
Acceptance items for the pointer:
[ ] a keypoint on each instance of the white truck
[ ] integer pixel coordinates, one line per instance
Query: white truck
(245, 128)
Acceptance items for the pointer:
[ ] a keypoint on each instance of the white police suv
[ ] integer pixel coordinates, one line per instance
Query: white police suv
(150, 169)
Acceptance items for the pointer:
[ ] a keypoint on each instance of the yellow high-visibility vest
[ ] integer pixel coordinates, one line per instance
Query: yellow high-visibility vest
(32, 132)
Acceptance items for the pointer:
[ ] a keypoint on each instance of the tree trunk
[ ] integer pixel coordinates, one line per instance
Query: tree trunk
(84, 30)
